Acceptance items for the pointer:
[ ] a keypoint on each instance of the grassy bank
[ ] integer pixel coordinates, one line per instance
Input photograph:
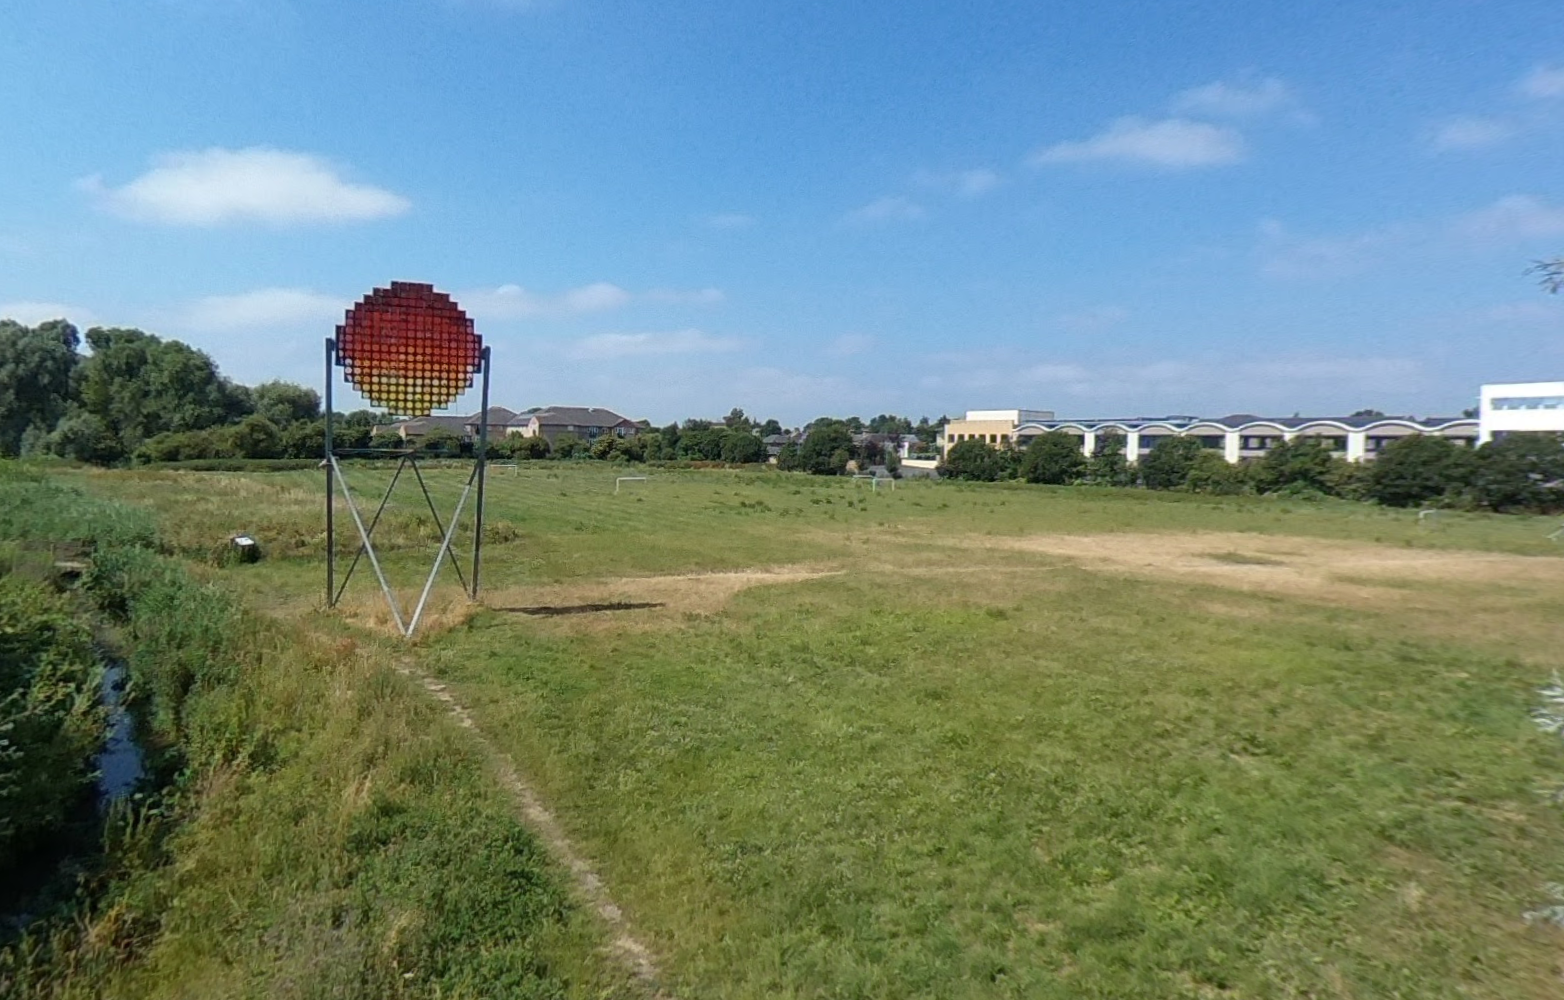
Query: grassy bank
(322, 830)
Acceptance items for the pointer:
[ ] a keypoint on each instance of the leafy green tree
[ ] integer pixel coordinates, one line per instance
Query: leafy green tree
(1166, 466)
(284, 403)
(975, 460)
(1302, 463)
(1108, 466)
(387, 441)
(439, 442)
(890, 423)
(769, 428)
(257, 437)
(82, 437)
(789, 459)
(529, 448)
(182, 446)
(827, 448)
(1053, 457)
(740, 446)
(1417, 469)
(736, 420)
(36, 365)
(702, 444)
(1521, 472)
(1211, 473)
(567, 445)
(141, 386)
(307, 438)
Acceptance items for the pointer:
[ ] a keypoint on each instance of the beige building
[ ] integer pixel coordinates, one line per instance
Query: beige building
(995, 427)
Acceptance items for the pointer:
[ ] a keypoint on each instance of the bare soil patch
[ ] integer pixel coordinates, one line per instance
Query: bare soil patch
(1311, 568)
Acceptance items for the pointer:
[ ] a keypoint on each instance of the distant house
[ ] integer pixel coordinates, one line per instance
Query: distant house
(586, 422)
(498, 418)
(414, 429)
(774, 443)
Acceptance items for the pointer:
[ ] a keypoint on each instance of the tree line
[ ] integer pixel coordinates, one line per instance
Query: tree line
(137, 398)
(1520, 472)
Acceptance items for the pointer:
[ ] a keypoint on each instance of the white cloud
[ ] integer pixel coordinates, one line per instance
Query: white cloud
(265, 307)
(623, 345)
(1473, 133)
(850, 344)
(729, 220)
(972, 183)
(678, 297)
(892, 208)
(1283, 254)
(1544, 82)
(1248, 98)
(1173, 142)
(515, 302)
(1516, 217)
(216, 186)
(33, 313)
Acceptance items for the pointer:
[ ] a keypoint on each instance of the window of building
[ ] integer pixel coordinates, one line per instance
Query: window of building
(1527, 403)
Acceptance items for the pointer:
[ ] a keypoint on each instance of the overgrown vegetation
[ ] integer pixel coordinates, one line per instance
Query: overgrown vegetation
(314, 826)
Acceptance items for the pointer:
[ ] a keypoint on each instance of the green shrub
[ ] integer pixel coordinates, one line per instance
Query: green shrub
(1054, 457)
(1417, 469)
(976, 460)
(50, 723)
(1167, 465)
(1211, 473)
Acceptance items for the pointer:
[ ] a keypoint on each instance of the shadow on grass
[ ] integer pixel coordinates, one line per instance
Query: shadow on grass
(555, 610)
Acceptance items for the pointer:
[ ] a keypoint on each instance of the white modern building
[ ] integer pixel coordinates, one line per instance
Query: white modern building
(1238, 437)
(1520, 407)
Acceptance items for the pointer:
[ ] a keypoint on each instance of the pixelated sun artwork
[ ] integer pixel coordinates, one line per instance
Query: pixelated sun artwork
(409, 349)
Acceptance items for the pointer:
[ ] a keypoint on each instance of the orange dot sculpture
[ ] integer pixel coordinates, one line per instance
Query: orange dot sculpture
(409, 349)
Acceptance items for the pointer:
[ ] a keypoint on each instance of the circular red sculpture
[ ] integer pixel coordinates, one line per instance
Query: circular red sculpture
(409, 349)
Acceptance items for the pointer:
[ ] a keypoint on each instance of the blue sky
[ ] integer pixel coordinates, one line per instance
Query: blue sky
(803, 208)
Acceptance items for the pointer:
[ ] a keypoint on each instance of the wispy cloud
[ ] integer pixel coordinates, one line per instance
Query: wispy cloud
(218, 186)
(1473, 133)
(971, 183)
(1515, 217)
(264, 307)
(624, 345)
(1175, 143)
(33, 313)
(891, 208)
(1283, 254)
(1244, 98)
(1544, 82)
(509, 302)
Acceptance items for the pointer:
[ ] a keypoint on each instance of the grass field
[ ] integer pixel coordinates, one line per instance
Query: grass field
(994, 740)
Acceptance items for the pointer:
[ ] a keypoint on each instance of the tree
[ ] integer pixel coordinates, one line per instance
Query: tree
(1211, 473)
(82, 437)
(1302, 463)
(827, 448)
(736, 420)
(1108, 466)
(890, 423)
(769, 428)
(141, 386)
(788, 458)
(257, 437)
(741, 446)
(1550, 273)
(1417, 469)
(1371, 414)
(1053, 457)
(1521, 472)
(284, 403)
(567, 445)
(439, 442)
(1167, 465)
(702, 443)
(36, 365)
(307, 438)
(976, 460)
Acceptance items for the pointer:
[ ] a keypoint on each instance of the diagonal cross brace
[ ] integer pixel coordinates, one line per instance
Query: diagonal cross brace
(369, 547)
